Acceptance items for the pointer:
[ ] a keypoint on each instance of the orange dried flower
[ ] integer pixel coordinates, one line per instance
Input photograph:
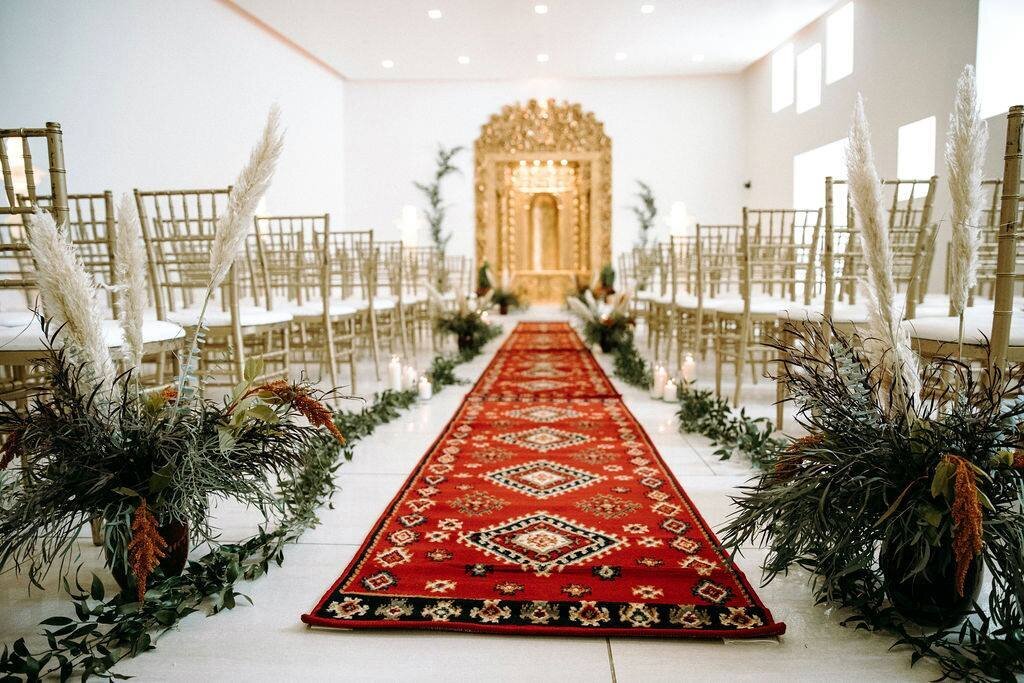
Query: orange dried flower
(169, 394)
(146, 548)
(1018, 460)
(10, 448)
(966, 511)
(314, 411)
(789, 463)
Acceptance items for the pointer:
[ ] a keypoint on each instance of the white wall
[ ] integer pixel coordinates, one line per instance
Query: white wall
(907, 57)
(679, 134)
(168, 95)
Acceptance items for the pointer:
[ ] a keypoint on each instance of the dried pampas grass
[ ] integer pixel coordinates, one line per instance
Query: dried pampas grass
(965, 156)
(68, 296)
(130, 269)
(234, 225)
(888, 344)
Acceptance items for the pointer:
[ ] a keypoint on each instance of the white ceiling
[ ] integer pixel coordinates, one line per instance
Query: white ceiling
(502, 38)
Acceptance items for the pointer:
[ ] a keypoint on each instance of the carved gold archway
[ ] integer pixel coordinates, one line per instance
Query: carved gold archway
(561, 139)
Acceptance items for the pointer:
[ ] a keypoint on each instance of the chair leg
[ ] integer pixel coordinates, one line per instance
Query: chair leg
(331, 350)
(741, 359)
(373, 342)
(718, 364)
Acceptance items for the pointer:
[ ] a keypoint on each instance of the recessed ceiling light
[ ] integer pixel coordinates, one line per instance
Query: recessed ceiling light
(646, 9)
(540, 9)
(542, 58)
(463, 59)
(698, 57)
(434, 13)
(387, 64)
(620, 56)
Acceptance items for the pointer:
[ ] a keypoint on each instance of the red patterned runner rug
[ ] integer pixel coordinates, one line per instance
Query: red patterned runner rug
(544, 508)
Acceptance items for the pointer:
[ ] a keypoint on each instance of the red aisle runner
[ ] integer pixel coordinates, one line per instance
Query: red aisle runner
(544, 508)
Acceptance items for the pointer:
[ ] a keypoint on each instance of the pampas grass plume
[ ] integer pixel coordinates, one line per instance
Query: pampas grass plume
(888, 345)
(68, 295)
(130, 269)
(234, 225)
(965, 156)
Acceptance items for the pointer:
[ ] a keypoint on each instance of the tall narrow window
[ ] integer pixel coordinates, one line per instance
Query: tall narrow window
(808, 78)
(809, 171)
(915, 153)
(782, 77)
(839, 44)
(1000, 86)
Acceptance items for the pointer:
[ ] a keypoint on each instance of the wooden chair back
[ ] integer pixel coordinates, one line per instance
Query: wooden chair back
(778, 253)
(911, 235)
(178, 227)
(351, 264)
(1007, 273)
(292, 263)
(21, 193)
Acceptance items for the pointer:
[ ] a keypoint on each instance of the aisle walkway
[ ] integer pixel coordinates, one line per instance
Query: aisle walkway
(267, 642)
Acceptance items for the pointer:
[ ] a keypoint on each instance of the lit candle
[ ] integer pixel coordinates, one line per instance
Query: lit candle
(658, 382)
(395, 374)
(689, 368)
(410, 378)
(426, 391)
(670, 394)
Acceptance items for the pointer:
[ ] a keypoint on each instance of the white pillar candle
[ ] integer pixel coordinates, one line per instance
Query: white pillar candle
(658, 382)
(689, 368)
(395, 374)
(426, 391)
(670, 394)
(410, 378)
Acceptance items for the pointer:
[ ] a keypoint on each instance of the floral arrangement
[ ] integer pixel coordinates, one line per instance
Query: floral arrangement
(607, 324)
(604, 285)
(466, 320)
(897, 506)
(95, 445)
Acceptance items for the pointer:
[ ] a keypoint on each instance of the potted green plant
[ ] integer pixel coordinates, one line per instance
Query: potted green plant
(607, 324)
(505, 299)
(896, 507)
(605, 286)
(95, 444)
(466, 320)
(484, 282)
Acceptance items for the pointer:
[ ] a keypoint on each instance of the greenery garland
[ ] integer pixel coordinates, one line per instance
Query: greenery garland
(105, 631)
(702, 412)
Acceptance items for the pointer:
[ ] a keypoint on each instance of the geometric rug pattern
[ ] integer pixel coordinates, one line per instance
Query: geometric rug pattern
(544, 509)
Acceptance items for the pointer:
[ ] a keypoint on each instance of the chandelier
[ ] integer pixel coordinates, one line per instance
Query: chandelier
(543, 176)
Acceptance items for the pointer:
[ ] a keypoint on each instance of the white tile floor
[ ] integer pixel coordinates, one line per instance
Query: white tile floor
(268, 642)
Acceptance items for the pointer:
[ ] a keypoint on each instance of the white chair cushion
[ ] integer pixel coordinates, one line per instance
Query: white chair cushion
(815, 312)
(379, 304)
(758, 305)
(29, 335)
(315, 308)
(249, 316)
(977, 326)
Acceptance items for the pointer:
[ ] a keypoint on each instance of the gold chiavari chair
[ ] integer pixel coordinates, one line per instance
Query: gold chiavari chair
(714, 274)
(20, 345)
(657, 300)
(295, 269)
(778, 250)
(939, 336)
(352, 279)
(391, 285)
(423, 270)
(178, 227)
(681, 257)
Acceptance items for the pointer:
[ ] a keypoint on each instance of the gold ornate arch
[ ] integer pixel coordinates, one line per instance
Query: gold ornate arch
(555, 139)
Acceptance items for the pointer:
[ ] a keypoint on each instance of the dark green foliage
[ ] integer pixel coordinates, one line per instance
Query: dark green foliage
(436, 208)
(867, 476)
(105, 631)
(607, 278)
(470, 328)
(645, 213)
(702, 412)
(631, 367)
(505, 297)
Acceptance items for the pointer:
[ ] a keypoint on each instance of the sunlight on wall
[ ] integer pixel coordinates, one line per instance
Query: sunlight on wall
(839, 44)
(782, 77)
(808, 78)
(1000, 26)
(809, 171)
(915, 153)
